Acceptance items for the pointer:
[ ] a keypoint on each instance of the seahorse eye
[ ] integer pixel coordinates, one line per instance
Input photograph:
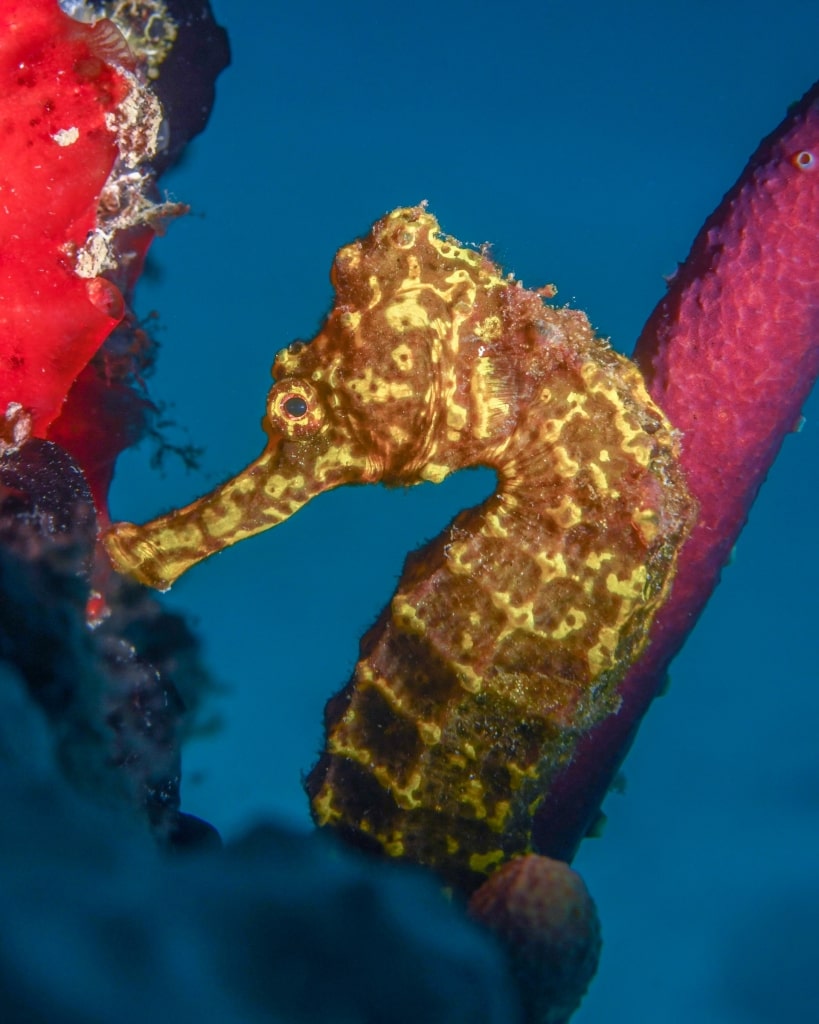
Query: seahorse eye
(295, 406)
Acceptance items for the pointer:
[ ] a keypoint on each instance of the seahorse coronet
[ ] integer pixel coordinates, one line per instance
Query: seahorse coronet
(510, 632)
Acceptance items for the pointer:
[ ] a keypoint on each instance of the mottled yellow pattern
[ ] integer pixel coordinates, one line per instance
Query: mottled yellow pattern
(508, 634)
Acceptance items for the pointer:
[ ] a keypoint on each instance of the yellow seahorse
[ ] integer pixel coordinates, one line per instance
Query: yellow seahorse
(508, 634)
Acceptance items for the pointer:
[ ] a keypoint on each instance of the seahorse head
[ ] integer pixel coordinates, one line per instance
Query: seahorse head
(378, 394)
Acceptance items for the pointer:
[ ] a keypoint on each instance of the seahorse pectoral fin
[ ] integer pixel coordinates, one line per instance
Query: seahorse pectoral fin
(267, 492)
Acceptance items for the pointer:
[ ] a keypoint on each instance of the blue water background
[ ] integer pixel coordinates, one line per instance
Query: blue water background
(587, 142)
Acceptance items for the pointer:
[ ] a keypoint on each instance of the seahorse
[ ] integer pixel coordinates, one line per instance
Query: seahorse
(508, 634)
